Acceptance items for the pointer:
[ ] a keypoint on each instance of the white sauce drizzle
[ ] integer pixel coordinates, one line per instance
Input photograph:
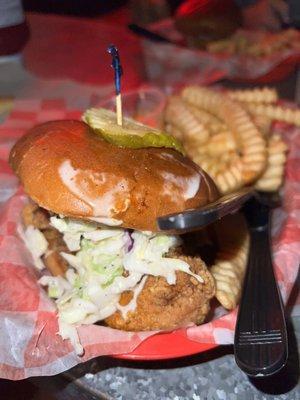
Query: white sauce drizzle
(103, 206)
(193, 185)
(189, 186)
(131, 306)
(107, 221)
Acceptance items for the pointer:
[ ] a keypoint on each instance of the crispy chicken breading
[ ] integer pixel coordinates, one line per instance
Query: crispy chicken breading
(36, 216)
(164, 306)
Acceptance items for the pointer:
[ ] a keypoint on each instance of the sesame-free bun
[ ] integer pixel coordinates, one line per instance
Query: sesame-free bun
(68, 169)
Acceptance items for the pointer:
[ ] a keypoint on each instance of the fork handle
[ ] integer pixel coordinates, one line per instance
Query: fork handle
(260, 343)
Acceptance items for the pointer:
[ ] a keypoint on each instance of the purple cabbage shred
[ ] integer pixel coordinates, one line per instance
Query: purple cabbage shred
(129, 241)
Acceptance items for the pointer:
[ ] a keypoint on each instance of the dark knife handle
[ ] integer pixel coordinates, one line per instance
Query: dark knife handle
(260, 344)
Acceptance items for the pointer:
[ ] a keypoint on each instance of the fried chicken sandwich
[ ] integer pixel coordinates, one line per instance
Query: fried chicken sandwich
(91, 228)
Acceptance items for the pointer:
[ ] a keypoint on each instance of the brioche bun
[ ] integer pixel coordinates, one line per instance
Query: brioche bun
(68, 169)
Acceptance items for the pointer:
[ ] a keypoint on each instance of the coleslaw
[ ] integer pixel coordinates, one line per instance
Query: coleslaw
(103, 263)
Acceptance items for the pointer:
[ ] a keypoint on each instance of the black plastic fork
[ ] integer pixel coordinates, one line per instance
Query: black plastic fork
(260, 344)
(260, 338)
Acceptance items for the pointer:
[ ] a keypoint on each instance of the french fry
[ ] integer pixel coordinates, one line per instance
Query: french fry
(209, 165)
(258, 95)
(263, 123)
(231, 261)
(269, 43)
(212, 123)
(238, 147)
(285, 114)
(178, 114)
(252, 144)
(272, 178)
(226, 174)
(230, 178)
(219, 144)
(172, 130)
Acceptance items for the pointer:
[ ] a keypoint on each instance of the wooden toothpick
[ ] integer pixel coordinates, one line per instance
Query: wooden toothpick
(116, 64)
(119, 109)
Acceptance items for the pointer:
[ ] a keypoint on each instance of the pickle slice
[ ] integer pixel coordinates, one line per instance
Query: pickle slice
(131, 134)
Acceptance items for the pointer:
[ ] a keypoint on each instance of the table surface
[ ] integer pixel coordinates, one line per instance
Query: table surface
(209, 376)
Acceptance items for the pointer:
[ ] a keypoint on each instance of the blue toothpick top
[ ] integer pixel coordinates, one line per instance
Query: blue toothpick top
(116, 64)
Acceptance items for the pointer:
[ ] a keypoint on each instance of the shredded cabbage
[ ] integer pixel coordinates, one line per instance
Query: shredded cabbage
(91, 288)
(36, 244)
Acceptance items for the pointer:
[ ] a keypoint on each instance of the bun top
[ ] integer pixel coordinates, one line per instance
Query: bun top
(67, 169)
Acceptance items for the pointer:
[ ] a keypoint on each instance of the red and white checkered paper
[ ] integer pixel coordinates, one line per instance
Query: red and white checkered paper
(29, 344)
